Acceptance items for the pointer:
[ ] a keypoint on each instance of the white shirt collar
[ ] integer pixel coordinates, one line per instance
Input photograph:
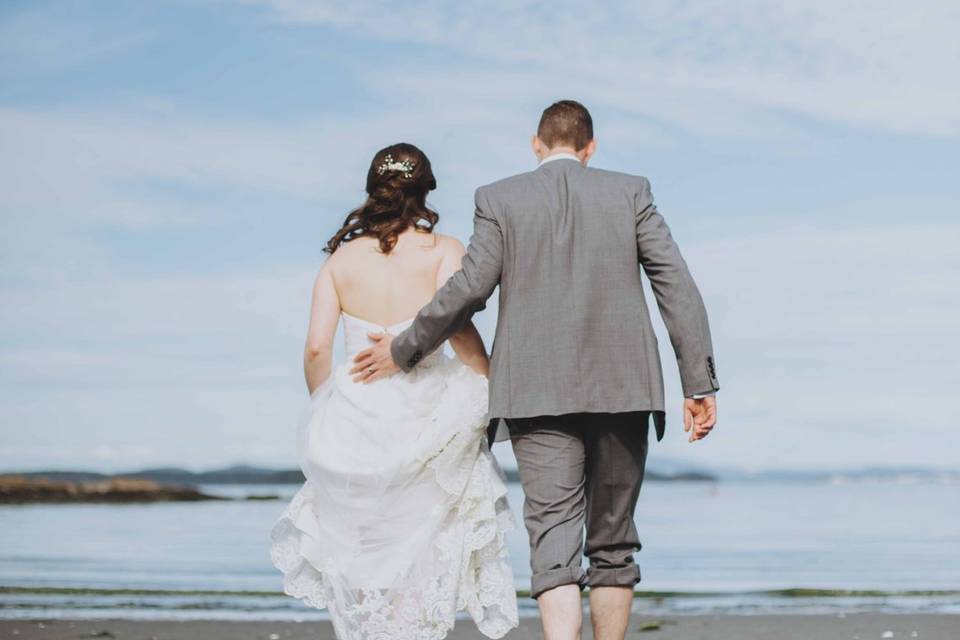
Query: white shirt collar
(558, 156)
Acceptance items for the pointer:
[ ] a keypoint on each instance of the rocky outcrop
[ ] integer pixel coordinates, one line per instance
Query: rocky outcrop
(18, 489)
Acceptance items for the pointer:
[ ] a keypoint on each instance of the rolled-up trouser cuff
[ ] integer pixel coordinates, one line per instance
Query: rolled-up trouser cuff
(553, 578)
(613, 576)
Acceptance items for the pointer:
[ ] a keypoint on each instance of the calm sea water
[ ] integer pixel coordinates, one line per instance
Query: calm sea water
(728, 546)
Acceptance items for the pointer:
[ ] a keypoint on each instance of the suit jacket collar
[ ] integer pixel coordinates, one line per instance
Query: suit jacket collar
(559, 159)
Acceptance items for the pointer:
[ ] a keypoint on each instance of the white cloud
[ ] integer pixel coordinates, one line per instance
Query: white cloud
(123, 371)
(65, 171)
(834, 348)
(706, 66)
(83, 163)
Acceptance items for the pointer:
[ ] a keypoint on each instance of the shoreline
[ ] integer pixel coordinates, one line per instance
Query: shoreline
(785, 593)
(674, 627)
(237, 606)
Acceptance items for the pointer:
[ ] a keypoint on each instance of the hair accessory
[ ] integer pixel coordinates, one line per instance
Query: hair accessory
(390, 165)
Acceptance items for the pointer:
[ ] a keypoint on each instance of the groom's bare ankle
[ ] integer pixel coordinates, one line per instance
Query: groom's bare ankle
(561, 612)
(610, 612)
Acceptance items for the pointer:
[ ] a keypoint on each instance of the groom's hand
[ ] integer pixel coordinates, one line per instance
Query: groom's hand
(699, 416)
(376, 362)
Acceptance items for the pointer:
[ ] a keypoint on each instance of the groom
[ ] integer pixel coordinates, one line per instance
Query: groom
(575, 369)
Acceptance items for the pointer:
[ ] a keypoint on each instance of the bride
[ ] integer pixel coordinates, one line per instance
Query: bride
(400, 523)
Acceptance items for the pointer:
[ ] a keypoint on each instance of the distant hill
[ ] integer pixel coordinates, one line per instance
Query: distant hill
(649, 476)
(248, 474)
(670, 471)
(238, 474)
(899, 475)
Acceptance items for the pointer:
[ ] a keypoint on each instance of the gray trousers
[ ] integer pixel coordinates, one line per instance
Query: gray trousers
(581, 470)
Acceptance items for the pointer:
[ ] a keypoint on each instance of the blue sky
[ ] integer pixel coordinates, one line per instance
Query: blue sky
(172, 170)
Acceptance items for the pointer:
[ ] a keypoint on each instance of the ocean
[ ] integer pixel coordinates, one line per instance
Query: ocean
(729, 547)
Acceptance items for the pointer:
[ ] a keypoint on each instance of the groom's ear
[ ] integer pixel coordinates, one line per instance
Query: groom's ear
(589, 150)
(538, 147)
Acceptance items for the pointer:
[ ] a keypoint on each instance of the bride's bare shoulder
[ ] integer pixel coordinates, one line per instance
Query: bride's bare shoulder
(436, 244)
(353, 250)
(363, 251)
(449, 246)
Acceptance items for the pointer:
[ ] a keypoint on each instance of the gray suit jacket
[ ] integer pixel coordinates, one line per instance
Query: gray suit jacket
(573, 334)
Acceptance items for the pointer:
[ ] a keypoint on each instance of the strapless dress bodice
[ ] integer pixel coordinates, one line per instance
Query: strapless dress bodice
(356, 338)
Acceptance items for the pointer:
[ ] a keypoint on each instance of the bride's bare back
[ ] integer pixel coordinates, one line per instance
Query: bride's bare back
(385, 289)
(389, 288)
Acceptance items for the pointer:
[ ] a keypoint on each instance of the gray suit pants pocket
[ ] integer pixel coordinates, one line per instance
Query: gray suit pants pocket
(581, 472)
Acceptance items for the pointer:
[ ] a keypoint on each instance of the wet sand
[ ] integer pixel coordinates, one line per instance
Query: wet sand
(864, 626)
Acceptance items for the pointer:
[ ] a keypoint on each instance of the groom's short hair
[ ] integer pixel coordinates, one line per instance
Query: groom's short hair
(566, 123)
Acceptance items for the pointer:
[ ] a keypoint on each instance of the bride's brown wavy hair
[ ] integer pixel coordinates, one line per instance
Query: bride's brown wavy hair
(396, 199)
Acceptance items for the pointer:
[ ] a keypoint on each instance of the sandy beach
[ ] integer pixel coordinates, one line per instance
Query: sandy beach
(720, 627)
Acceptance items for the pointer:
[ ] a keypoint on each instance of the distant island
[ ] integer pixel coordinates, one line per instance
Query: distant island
(248, 474)
(81, 486)
(20, 489)
(165, 484)
(175, 484)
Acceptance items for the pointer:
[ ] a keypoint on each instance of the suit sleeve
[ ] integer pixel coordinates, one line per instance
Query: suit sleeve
(465, 293)
(681, 306)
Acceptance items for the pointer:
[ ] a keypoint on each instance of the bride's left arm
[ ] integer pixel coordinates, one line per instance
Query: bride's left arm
(466, 343)
(324, 316)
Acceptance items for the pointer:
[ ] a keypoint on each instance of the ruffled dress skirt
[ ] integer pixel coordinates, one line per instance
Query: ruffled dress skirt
(400, 523)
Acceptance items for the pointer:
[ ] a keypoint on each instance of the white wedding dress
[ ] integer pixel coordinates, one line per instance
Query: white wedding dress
(400, 523)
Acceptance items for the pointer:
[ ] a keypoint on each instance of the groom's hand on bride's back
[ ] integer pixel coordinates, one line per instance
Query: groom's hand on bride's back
(699, 416)
(375, 362)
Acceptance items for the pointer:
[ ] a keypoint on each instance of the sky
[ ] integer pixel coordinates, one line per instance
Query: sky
(170, 172)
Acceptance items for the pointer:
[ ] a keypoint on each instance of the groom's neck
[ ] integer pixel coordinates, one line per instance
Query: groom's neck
(558, 150)
(543, 153)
